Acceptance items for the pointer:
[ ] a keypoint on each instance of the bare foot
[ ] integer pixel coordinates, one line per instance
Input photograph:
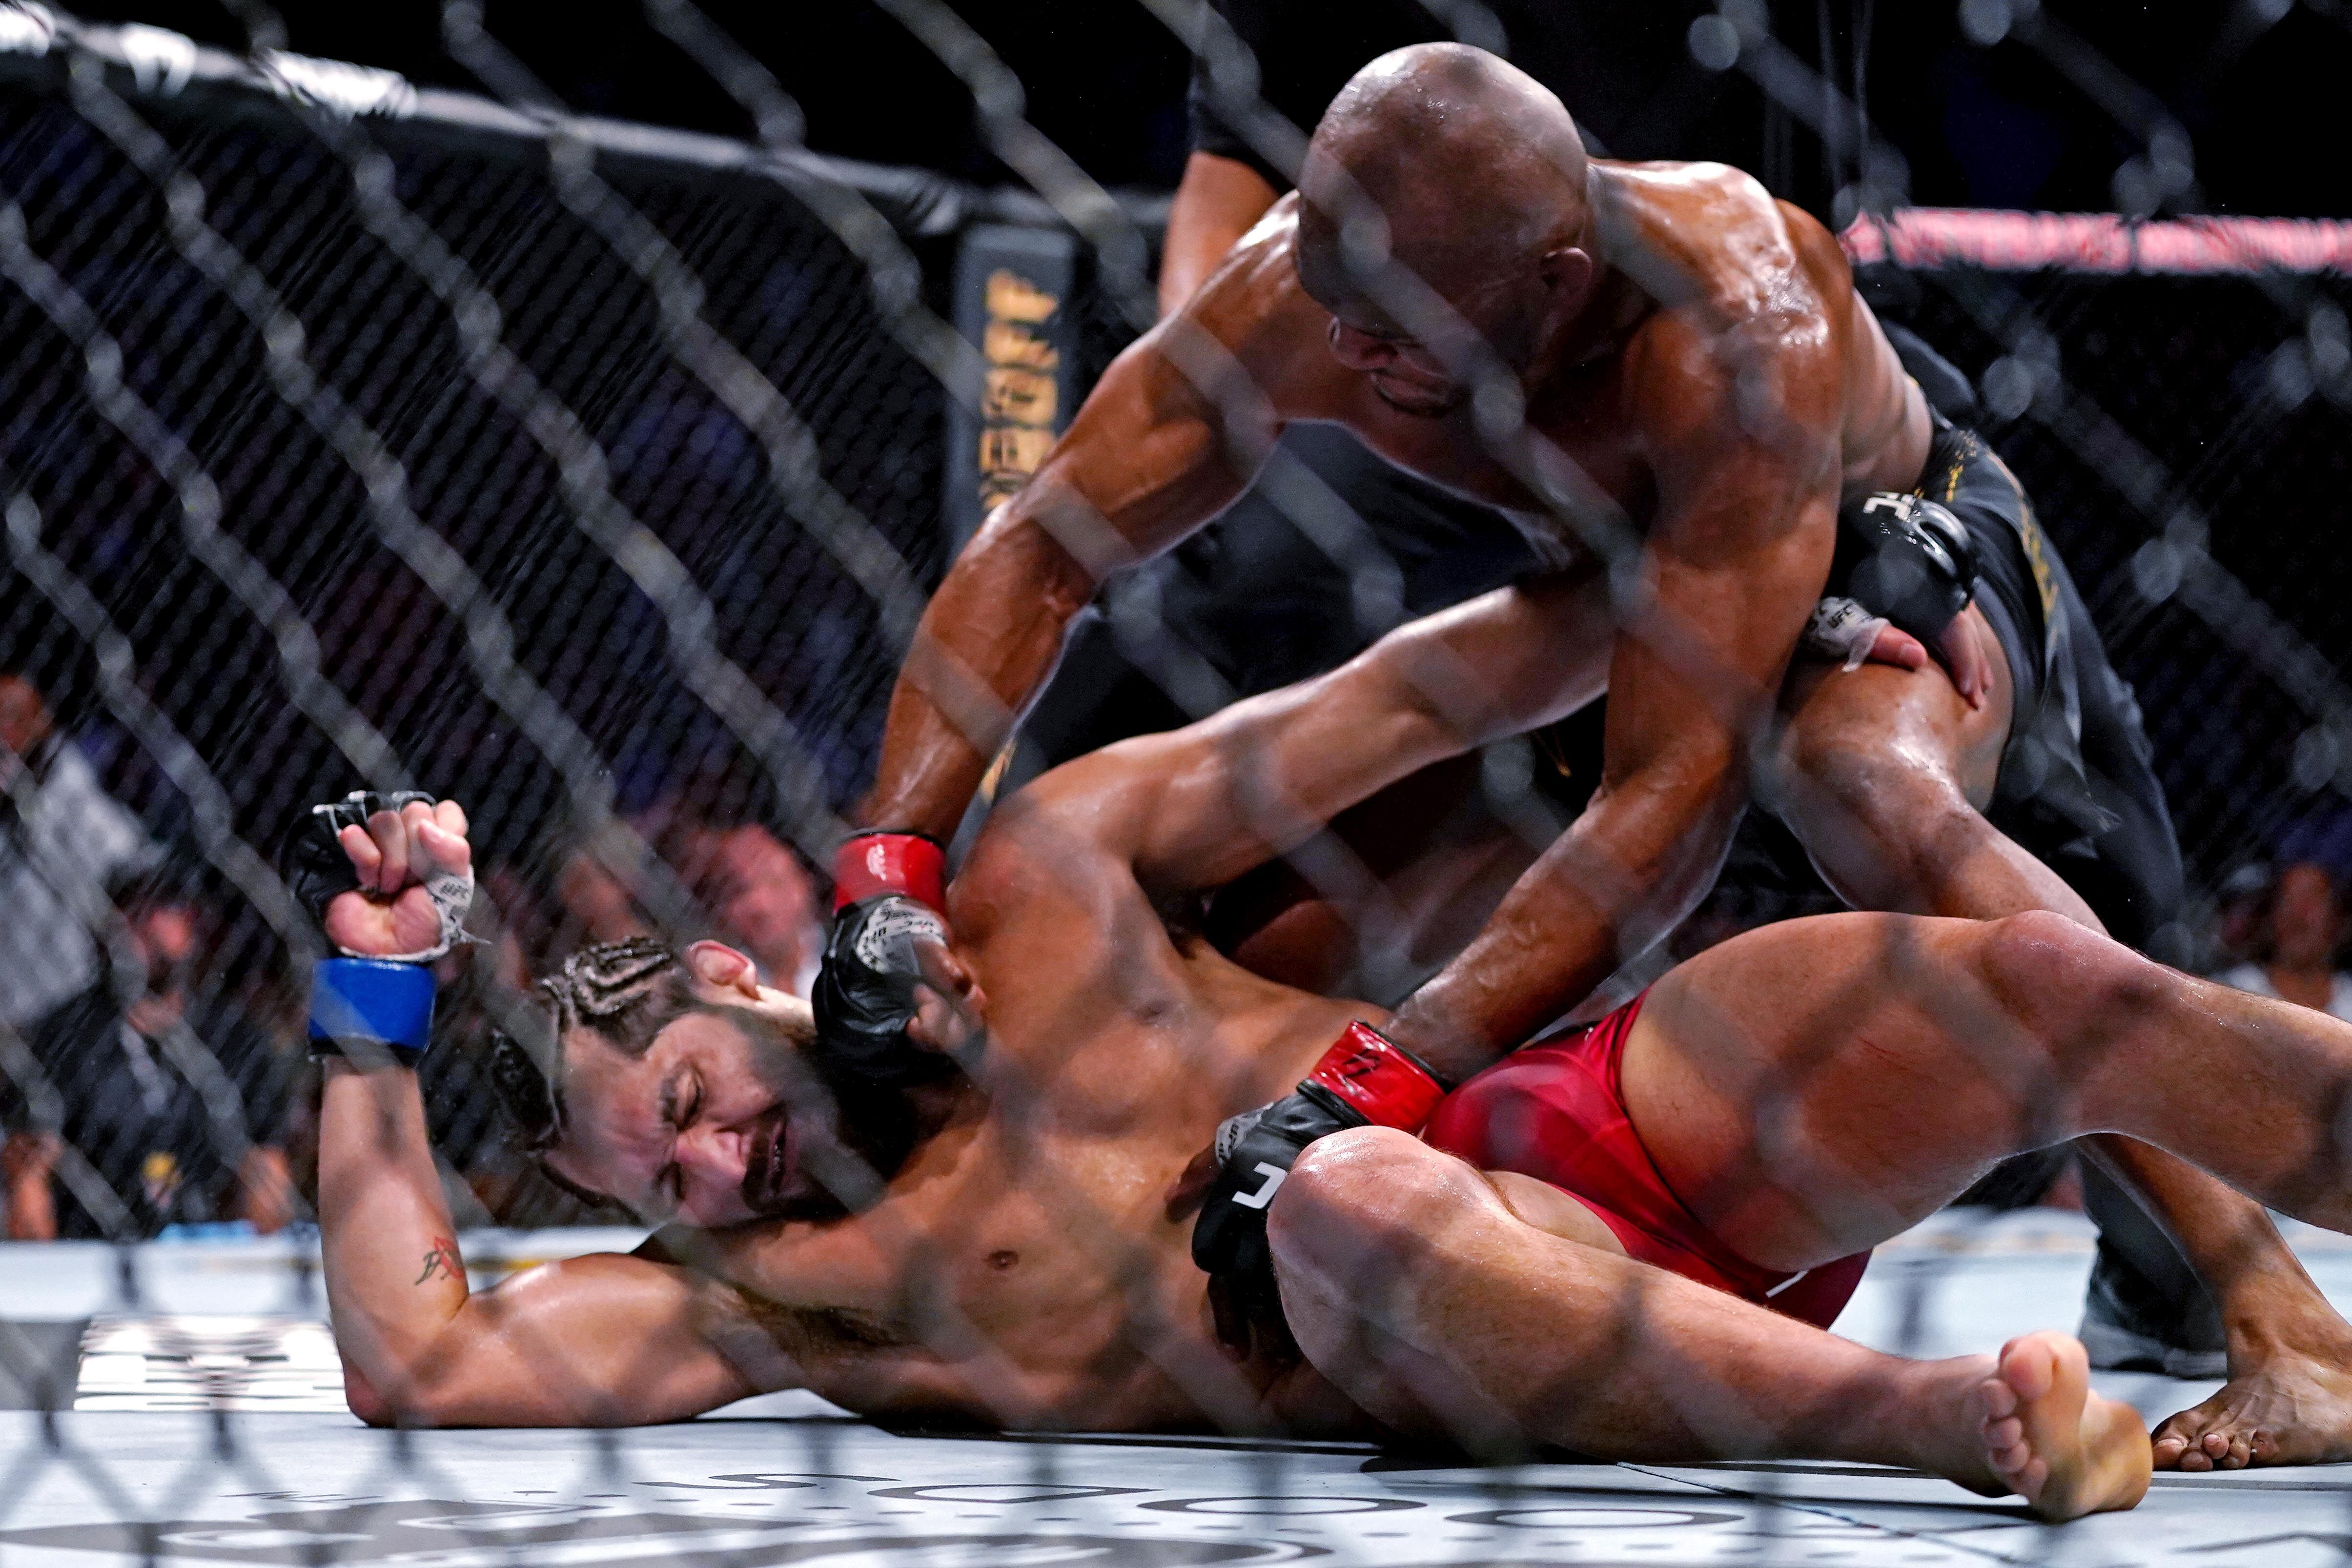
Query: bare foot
(2054, 1442)
(2295, 1409)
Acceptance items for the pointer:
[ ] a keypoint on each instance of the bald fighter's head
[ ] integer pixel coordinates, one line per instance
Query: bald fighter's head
(1470, 175)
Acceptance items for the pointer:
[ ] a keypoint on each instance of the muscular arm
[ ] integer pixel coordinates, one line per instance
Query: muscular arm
(1199, 806)
(602, 1341)
(1742, 439)
(1168, 438)
(591, 1342)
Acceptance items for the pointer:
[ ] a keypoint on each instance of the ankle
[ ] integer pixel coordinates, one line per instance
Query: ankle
(1922, 1415)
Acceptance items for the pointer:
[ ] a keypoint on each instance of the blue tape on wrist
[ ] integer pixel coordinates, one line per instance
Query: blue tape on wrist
(372, 1000)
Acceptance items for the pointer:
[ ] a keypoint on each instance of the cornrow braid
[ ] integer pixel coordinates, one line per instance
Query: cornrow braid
(624, 990)
(602, 981)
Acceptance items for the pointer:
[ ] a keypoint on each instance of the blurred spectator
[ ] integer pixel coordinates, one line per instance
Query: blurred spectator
(169, 1100)
(63, 840)
(2297, 958)
(754, 890)
(747, 887)
(2241, 916)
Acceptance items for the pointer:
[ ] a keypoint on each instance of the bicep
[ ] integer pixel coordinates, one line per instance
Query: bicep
(601, 1341)
(1735, 559)
(1171, 432)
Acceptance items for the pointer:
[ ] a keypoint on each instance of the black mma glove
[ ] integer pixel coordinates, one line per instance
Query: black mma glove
(865, 990)
(378, 1006)
(1364, 1080)
(1906, 558)
(317, 869)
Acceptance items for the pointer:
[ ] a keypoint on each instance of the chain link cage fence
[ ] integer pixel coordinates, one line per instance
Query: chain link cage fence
(359, 434)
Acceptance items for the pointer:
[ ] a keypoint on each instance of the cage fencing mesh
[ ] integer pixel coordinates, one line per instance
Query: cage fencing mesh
(491, 454)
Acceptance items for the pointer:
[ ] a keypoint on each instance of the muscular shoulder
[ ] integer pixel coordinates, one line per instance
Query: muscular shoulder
(1256, 307)
(1752, 297)
(1044, 858)
(1709, 242)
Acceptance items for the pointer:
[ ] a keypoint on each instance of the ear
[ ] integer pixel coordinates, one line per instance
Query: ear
(1568, 273)
(717, 965)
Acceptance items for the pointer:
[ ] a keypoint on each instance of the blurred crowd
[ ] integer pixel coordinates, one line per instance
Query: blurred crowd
(153, 1075)
(153, 1080)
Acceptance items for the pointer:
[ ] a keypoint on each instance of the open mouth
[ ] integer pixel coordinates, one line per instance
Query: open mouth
(1410, 394)
(772, 1168)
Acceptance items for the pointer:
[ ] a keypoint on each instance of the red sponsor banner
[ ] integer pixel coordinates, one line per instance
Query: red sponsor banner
(1931, 238)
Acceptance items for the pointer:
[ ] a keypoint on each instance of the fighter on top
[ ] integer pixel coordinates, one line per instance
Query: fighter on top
(1658, 356)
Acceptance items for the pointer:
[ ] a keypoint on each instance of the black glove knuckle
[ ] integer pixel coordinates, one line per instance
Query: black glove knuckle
(863, 1006)
(311, 860)
(1905, 558)
(1228, 1238)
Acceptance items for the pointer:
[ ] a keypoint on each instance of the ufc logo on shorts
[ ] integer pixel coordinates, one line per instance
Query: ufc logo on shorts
(878, 861)
(1265, 1194)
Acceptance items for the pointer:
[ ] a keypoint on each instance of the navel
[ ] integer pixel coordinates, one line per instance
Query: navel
(1004, 1258)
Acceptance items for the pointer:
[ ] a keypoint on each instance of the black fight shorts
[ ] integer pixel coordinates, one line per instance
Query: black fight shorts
(2077, 789)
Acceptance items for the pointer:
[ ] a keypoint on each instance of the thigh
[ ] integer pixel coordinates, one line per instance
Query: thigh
(1812, 1088)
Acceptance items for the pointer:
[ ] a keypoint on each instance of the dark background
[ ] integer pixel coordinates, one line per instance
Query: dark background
(2233, 390)
(2257, 84)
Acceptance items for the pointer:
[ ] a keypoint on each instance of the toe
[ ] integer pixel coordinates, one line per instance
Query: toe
(2029, 1367)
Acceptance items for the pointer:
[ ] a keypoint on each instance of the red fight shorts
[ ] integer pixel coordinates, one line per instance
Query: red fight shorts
(1556, 1111)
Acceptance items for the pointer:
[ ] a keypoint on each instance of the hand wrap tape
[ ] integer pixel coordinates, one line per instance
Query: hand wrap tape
(371, 1001)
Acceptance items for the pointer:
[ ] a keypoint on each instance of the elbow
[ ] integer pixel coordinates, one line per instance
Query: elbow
(371, 1407)
(396, 1399)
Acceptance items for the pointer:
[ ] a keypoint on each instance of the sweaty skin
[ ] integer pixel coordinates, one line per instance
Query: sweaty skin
(1693, 347)
(1809, 1089)
(1022, 1268)
(1693, 354)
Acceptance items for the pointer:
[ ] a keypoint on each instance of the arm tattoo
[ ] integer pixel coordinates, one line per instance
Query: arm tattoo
(443, 1260)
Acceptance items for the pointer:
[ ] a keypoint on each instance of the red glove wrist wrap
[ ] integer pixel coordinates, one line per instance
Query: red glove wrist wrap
(1390, 1088)
(878, 863)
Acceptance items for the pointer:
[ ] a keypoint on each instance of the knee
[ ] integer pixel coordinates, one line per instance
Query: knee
(1366, 1200)
(2059, 977)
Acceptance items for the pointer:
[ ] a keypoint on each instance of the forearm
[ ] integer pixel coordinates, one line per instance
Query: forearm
(986, 644)
(1632, 865)
(1262, 776)
(395, 1280)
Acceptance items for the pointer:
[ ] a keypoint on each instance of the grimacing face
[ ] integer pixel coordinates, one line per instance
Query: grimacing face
(716, 1124)
(711, 1126)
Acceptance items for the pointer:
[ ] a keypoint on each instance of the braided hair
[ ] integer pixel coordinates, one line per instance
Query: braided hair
(627, 991)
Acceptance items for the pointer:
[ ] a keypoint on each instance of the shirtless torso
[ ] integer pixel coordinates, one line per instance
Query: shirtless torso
(1033, 1231)
(1738, 285)
(1712, 399)
(1022, 1268)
